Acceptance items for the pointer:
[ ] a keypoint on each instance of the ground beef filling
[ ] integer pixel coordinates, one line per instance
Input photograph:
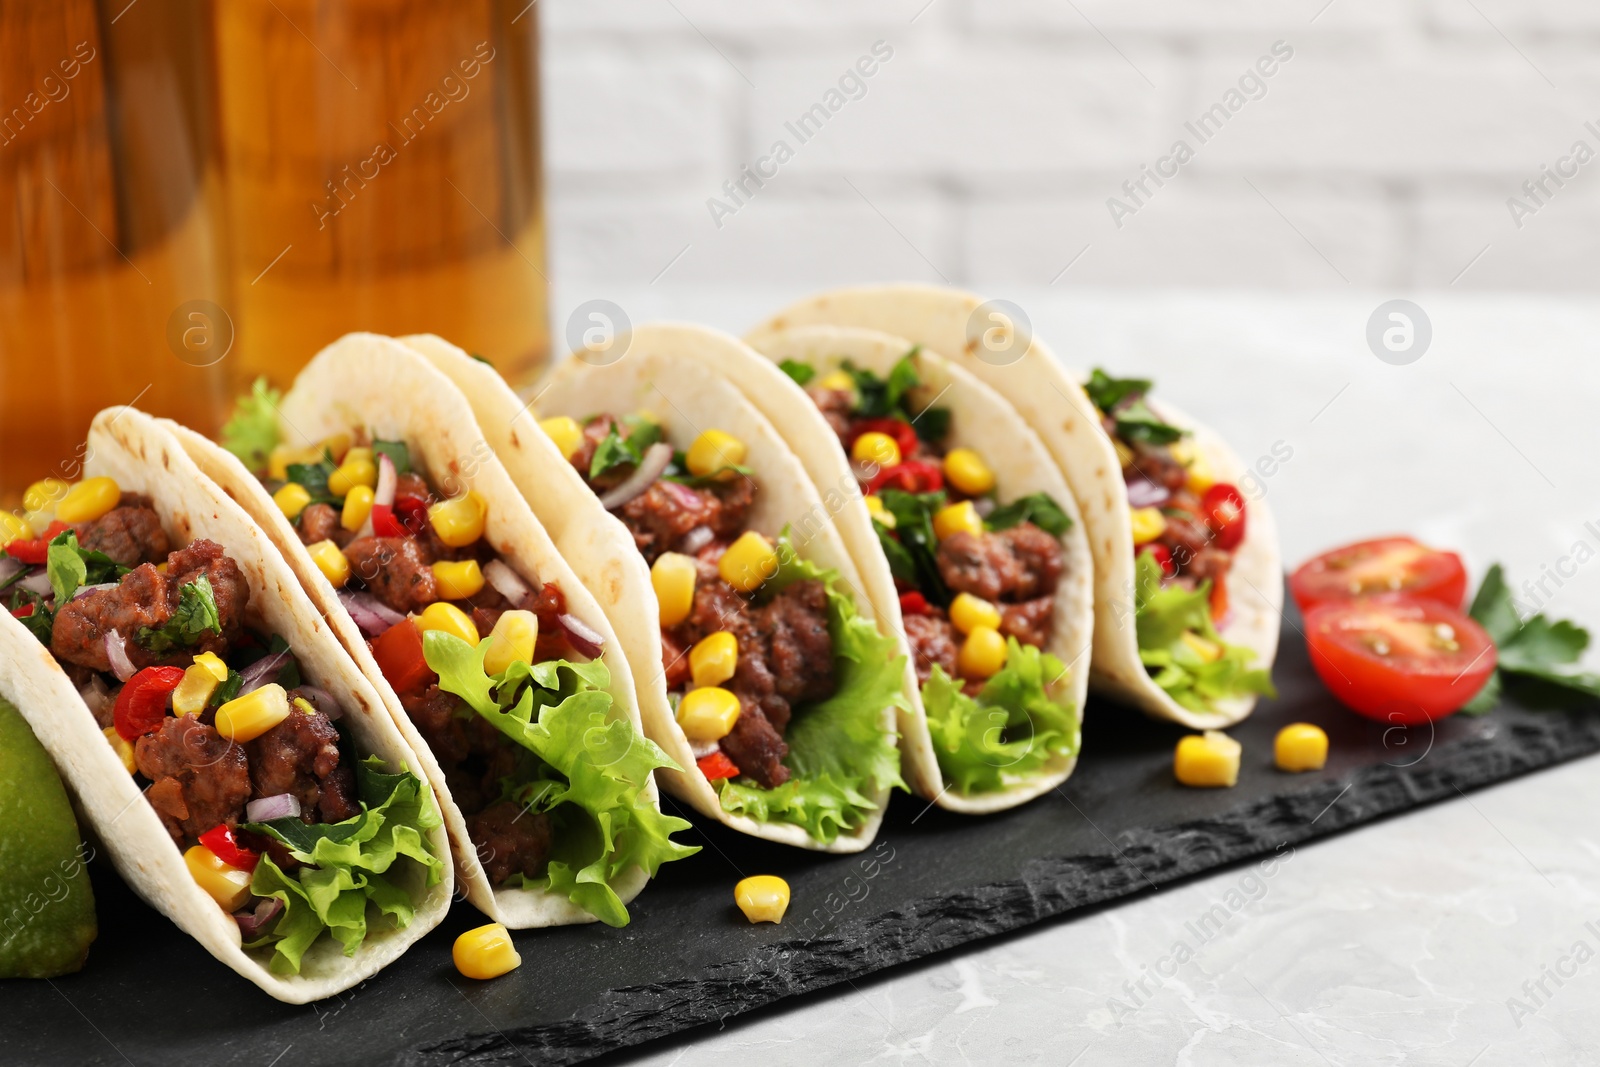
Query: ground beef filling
(130, 533)
(1195, 556)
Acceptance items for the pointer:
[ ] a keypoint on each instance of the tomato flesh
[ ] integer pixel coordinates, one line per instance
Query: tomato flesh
(1399, 659)
(220, 840)
(717, 766)
(385, 523)
(1224, 511)
(142, 702)
(914, 603)
(398, 651)
(1383, 565)
(912, 476)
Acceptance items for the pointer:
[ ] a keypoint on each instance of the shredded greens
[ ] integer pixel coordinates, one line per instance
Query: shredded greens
(251, 432)
(590, 772)
(839, 752)
(351, 865)
(1170, 619)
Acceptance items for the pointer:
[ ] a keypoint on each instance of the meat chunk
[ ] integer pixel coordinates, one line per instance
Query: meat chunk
(660, 516)
(199, 778)
(1038, 557)
(1030, 621)
(396, 570)
(412, 484)
(510, 840)
(837, 407)
(756, 747)
(1209, 563)
(319, 522)
(129, 533)
(794, 625)
(933, 641)
(300, 756)
(1157, 464)
(1021, 563)
(594, 431)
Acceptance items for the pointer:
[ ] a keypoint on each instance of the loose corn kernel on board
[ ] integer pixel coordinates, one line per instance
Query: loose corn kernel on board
(933, 881)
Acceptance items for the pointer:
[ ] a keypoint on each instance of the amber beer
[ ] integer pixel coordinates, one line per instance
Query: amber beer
(383, 171)
(112, 258)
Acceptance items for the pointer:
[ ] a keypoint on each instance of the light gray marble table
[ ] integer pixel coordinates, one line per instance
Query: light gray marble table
(1459, 934)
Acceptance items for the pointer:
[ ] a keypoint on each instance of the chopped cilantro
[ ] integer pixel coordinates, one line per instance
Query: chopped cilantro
(1123, 400)
(195, 617)
(397, 452)
(616, 450)
(1535, 648)
(313, 477)
(912, 547)
(802, 373)
(1037, 508)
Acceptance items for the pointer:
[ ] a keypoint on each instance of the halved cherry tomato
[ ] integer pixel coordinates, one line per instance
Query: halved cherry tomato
(22, 612)
(1223, 509)
(36, 550)
(912, 476)
(1383, 565)
(914, 603)
(398, 651)
(717, 766)
(220, 840)
(385, 523)
(142, 703)
(1397, 658)
(1162, 554)
(902, 432)
(412, 512)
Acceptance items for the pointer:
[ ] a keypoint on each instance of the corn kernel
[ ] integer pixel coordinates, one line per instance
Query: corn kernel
(194, 692)
(351, 473)
(1200, 476)
(673, 576)
(459, 521)
(874, 447)
(708, 714)
(458, 580)
(213, 663)
(357, 506)
(281, 458)
(1207, 760)
(449, 619)
(13, 527)
(880, 514)
(982, 654)
(565, 432)
(338, 446)
(248, 717)
(714, 658)
(331, 562)
(88, 500)
(712, 451)
(512, 639)
(968, 612)
(485, 952)
(957, 518)
(1147, 524)
(123, 748)
(748, 562)
(292, 500)
(1124, 453)
(966, 470)
(762, 897)
(1208, 650)
(44, 494)
(1300, 747)
(228, 886)
(837, 379)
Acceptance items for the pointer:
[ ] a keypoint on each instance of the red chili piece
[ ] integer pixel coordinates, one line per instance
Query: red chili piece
(142, 703)
(220, 840)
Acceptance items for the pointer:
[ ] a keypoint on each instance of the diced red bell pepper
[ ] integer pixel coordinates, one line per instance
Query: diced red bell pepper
(914, 603)
(1162, 554)
(912, 476)
(902, 432)
(385, 523)
(412, 512)
(142, 703)
(717, 766)
(1219, 599)
(220, 840)
(36, 551)
(22, 612)
(398, 651)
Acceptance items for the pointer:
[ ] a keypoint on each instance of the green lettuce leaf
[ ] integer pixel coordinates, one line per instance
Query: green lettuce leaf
(70, 567)
(593, 770)
(1164, 615)
(347, 862)
(1009, 731)
(801, 373)
(838, 750)
(251, 432)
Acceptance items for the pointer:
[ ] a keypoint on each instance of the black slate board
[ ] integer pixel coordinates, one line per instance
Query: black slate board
(933, 881)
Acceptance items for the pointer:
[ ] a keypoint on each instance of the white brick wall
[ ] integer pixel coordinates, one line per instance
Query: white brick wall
(984, 150)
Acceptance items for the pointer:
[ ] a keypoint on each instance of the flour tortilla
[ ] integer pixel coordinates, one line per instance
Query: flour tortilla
(662, 373)
(1024, 371)
(134, 449)
(981, 420)
(366, 380)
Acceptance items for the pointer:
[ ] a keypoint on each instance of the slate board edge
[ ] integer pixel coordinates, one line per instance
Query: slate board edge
(1050, 887)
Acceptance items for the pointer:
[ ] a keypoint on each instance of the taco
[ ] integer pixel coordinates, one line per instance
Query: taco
(757, 654)
(158, 645)
(495, 662)
(1187, 634)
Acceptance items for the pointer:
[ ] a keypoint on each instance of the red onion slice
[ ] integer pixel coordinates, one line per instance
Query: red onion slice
(371, 615)
(117, 653)
(261, 671)
(96, 694)
(582, 639)
(695, 540)
(655, 460)
(507, 582)
(387, 480)
(38, 582)
(10, 568)
(85, 590)
(1143, 493)
(682, 494)
(266, 809)
(253, 922)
